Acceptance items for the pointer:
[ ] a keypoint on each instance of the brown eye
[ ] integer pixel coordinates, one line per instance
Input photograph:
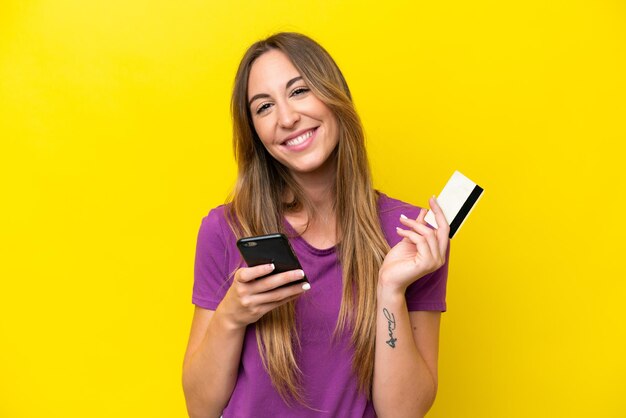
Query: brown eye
(263, 108)
(299, 91)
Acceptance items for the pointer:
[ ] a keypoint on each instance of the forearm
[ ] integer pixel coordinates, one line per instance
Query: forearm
(210, 373)
(403, 384)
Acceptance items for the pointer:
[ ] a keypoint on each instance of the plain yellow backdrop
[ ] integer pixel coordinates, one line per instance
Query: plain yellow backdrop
(115, 142)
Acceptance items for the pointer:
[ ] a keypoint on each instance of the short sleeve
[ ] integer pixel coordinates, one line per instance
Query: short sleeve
(211, 271)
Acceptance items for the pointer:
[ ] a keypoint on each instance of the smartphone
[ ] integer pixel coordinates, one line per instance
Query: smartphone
(271, 248)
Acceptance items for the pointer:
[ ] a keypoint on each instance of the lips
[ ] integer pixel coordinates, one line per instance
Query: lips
(300, 140)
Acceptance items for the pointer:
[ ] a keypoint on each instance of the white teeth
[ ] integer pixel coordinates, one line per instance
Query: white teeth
(299, 139)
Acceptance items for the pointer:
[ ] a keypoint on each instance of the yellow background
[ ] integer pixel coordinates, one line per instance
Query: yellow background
(115, 142)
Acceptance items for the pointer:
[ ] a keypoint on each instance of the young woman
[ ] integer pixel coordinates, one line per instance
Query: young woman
(360, 338)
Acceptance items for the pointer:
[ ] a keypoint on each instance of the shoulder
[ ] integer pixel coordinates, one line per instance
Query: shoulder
(216, 258)
(390, 208)
(218, 215)
(215, 224)
(389, 211)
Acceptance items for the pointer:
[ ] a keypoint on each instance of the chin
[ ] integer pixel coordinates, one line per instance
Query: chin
(311, 165)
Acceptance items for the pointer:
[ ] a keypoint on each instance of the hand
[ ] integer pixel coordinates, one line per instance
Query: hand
(248, 299)
(421, 251)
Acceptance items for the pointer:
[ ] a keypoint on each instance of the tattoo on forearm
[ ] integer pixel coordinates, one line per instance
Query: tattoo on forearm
(391, 326)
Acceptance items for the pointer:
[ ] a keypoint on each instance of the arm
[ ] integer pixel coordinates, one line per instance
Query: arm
(407, 343)
(211, 363)
(405, 370)
(216, 339)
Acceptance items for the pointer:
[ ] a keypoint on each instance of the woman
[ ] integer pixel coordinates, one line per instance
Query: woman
(360, 339)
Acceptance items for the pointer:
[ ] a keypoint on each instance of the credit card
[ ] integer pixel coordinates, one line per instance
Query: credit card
(457, 199)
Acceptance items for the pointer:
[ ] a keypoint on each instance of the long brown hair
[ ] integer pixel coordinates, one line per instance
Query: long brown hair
(258, 208)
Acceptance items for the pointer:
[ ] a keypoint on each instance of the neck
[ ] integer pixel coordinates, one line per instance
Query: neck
(318, 186)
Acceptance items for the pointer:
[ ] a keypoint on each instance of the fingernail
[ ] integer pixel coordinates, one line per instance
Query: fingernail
(302, 273)
(272, 266)
(399, 229)
(403, 217)
(306, 286)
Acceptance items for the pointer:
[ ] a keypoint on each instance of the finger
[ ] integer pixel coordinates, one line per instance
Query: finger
(423, 249)
(274, 281)
(439, 215)
(417, 223)
(266, 307)
(258, 305)
(280, 294)
(422, 215)
(443, 230)
(424, 230)
(442, 243)
(247, 274)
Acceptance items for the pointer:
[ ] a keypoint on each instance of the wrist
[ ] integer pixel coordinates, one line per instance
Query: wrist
(389, 290)
(227, 322)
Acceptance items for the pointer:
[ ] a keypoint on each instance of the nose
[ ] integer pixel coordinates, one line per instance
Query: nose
(287, 116)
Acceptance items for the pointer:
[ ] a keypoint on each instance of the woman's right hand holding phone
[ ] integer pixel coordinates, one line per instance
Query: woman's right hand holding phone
(248, 299)
(217, 338)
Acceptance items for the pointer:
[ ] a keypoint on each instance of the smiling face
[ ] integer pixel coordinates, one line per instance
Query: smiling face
(295, 127)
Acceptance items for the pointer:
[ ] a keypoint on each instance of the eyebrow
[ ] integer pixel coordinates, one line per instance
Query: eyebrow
(265, 95)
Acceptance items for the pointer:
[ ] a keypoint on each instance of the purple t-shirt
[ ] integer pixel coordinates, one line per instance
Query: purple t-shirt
(329, 384)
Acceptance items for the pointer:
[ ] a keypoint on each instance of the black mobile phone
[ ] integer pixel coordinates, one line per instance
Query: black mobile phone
(271, 248)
